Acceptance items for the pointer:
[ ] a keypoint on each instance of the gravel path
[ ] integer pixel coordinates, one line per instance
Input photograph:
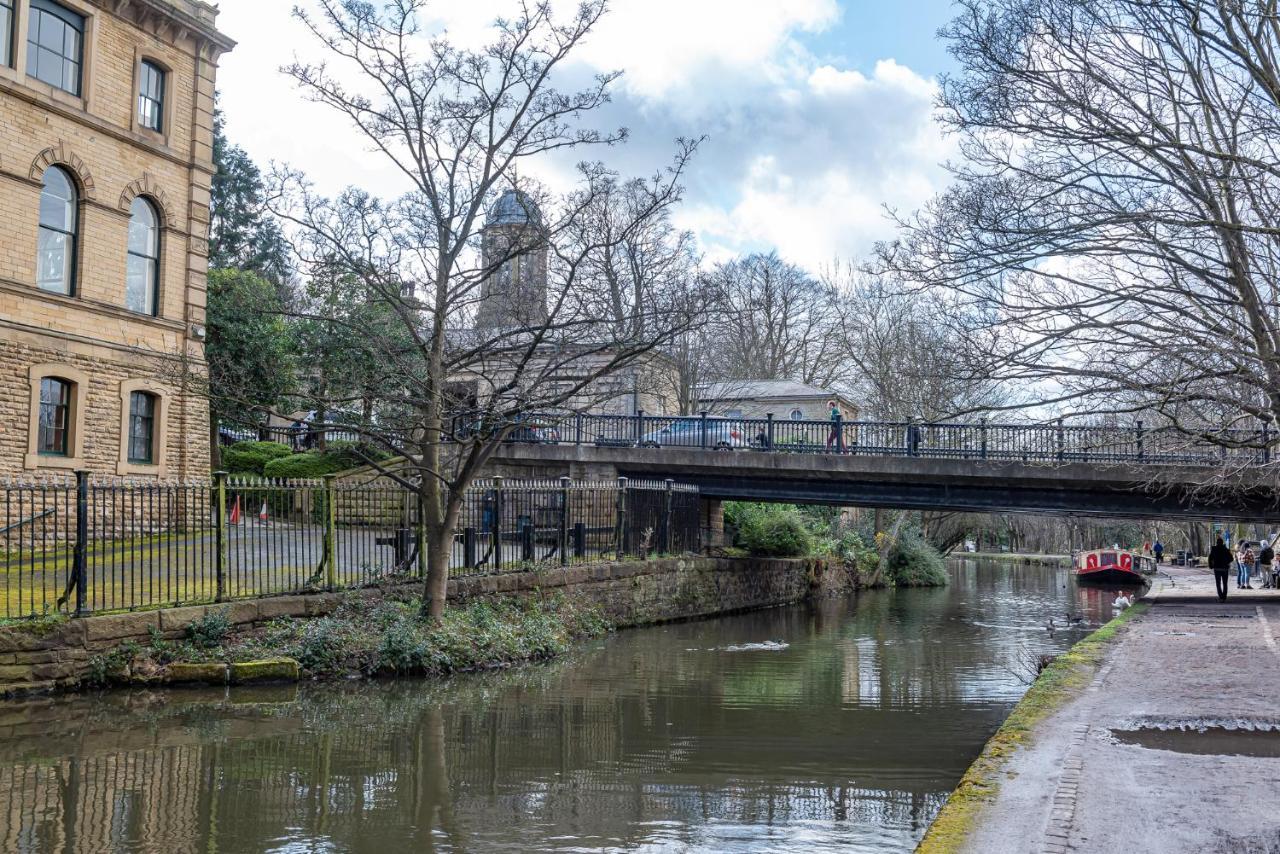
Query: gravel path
(1188, 662)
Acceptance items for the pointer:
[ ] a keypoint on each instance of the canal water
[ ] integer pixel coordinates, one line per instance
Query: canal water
(836, 726)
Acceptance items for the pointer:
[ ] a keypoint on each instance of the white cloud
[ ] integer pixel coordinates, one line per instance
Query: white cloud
(803, 153)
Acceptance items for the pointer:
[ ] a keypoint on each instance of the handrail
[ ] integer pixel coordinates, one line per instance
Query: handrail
(980, 440)
(18, 524)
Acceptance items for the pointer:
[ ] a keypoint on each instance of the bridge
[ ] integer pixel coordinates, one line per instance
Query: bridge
(1127, 471)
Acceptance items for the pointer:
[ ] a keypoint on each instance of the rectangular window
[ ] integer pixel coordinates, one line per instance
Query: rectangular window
(151, 96)
(6, 32)
(55, 45)
(142, 420)
(55, 415)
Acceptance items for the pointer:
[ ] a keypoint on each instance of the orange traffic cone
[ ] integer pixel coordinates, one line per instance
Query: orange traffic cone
(235, 512)
(262, 514)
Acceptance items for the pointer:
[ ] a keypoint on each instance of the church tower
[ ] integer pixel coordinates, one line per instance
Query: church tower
(514, 251)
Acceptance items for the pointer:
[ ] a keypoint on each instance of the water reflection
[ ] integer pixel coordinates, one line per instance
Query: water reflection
(848, 734)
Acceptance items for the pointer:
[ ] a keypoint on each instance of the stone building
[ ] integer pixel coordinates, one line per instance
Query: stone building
(514, 296)
(106, 118)
(785, 399)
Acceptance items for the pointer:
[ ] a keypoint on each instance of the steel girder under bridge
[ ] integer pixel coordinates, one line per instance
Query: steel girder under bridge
(923, 483)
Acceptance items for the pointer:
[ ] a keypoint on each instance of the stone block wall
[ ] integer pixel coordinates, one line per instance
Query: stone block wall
(631, 593)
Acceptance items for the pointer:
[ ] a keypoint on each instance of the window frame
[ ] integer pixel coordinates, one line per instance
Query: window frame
(796, 414)
(71, 18)
(79, 382)
(62, 417)
(153, 286)
(73, 247)
(8, 43)
(126, 464)
(161, 74)
(135, 419)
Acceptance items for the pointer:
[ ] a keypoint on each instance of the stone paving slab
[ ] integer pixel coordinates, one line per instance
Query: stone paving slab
(1189, 660)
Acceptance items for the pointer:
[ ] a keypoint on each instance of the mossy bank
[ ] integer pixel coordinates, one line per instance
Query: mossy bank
(1060, 682)
(494, 620)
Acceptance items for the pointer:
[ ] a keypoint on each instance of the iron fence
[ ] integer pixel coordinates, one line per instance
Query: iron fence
(84, 544)
(1056, 442)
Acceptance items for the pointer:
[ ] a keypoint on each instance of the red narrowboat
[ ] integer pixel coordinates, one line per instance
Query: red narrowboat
(1113, 566)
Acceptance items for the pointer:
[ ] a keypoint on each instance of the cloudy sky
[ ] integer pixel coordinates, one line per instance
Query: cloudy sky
(817, 112)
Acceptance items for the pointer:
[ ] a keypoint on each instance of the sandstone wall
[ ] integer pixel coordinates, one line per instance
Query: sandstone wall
(632, 593)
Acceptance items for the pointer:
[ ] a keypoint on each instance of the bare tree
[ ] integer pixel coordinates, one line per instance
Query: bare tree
(774, 321)
(908, 355)
(1115, 215)
(503, 321)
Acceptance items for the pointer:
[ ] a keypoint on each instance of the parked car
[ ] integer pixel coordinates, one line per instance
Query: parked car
(687, 433)
(534, 434)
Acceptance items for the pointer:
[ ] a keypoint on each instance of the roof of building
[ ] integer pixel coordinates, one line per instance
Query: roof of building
(513, 207)
(761, 389)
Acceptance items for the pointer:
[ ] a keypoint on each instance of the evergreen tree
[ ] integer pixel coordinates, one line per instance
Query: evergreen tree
(242, 234)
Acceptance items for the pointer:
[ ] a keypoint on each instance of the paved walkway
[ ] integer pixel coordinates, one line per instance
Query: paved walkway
(1189, 660)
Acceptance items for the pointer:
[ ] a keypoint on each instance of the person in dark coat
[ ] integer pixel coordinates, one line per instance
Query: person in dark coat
(1220, 560)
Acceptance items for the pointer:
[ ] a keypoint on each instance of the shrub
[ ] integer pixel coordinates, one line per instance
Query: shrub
(350, 455)
(209, 631)
(773, 531)
(308, 464)
(252, 457)
(915, 563)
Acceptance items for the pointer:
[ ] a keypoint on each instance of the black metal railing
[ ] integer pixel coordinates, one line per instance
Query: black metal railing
(85, 544)
(1056, 442)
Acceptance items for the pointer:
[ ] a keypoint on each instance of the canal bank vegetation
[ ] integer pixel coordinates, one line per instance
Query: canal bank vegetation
(1058, 683)
(900, 557)
(368, 637)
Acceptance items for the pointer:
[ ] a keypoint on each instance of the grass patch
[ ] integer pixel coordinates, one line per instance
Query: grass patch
(1060, 682)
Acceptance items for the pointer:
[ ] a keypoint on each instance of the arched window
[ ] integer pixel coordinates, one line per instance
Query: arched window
(142, 427)
(141, 274)
(797, 415)
(55, 417)
(56, 245)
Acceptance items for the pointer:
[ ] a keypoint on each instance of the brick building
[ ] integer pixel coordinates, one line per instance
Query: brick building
(106, 118)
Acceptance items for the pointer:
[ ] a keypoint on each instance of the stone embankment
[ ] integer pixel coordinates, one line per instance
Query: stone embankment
(1164, 739)
(52, 655)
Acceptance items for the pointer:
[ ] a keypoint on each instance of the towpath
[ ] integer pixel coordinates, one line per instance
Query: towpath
(1081, 784)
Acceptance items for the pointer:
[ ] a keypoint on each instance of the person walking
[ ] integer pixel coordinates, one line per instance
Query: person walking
(1266, 559)
(1158, 549)
(1220, 563)
(833, 438)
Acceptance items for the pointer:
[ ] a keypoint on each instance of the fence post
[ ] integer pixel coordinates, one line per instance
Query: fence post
(703, 439)
(982, 423)
(1140, 448)
(577, 430)
(620, 523)
(639, 426)
(495, 533)
(330, 532)
(564, 521)
(469, 547)
(666, 517)
(82, 537)
(220, 534)
(1062, 450)
(913, 438)
(526, 542)
(768, 445)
